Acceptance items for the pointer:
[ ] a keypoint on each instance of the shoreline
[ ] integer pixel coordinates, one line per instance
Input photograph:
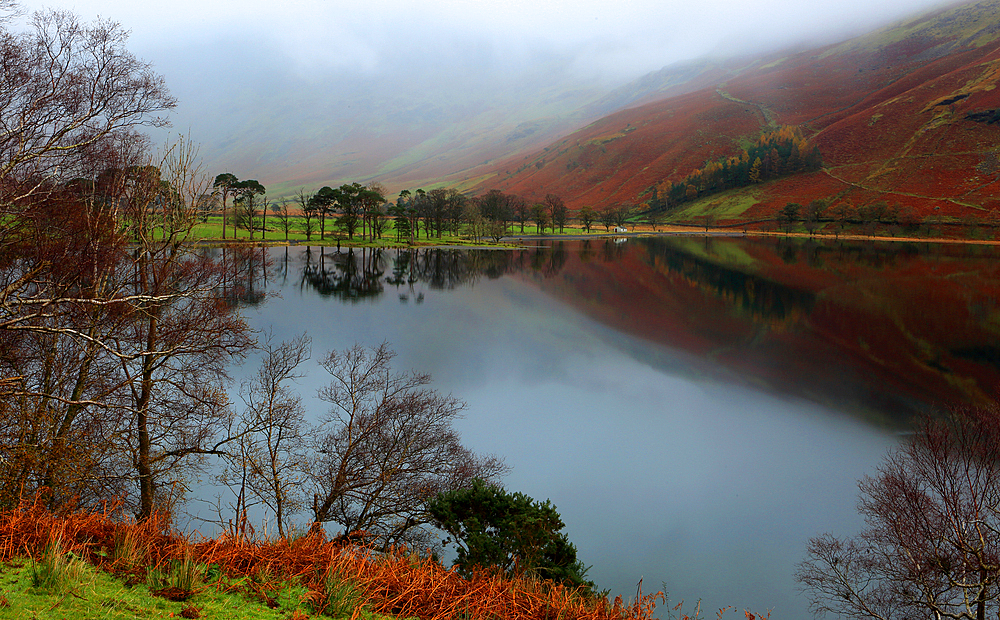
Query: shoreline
(515, 241)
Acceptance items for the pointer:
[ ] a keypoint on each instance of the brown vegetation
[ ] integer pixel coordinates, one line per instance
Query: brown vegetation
(398, 583)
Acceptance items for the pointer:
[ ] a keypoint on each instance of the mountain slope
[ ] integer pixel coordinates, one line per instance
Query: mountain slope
(260, 118)
(906, 114)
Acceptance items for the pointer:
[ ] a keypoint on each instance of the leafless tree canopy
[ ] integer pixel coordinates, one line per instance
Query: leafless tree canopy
(932, 545)
(267, 464)
(68, 92)
(386, 447)
(115, 339)
(114, 335)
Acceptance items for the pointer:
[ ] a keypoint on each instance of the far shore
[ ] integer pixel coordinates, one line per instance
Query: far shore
(701, 231)
(516, 240)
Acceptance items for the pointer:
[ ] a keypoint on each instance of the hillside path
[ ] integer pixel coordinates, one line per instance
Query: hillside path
(829, 172)
(767, 113)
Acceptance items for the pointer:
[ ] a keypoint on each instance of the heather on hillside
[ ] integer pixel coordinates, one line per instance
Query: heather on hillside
(901, 115)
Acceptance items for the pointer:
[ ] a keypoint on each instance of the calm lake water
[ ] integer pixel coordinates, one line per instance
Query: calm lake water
(696, 408)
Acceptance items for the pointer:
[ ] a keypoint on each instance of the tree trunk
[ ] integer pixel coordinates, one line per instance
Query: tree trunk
(144, 459)
(72, 410)
(981, 603)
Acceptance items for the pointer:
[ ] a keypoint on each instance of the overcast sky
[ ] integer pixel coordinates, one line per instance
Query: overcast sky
(615, 40)
(297, 91)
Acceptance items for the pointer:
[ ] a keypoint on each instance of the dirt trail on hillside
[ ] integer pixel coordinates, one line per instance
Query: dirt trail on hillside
(768, 115)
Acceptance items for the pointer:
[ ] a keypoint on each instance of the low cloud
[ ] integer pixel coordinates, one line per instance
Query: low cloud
(610, 40)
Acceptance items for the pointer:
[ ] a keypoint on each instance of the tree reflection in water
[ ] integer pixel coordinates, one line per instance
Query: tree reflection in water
(246, 270)
(831, 321)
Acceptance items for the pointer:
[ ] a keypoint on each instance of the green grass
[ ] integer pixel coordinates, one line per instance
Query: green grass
(731, 206)
(183, 574)
(724, 205)
(82, 592)
(529, 229)
(212, 230)
(55, 571)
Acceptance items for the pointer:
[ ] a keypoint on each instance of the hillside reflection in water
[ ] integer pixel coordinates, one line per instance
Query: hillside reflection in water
(696, 409)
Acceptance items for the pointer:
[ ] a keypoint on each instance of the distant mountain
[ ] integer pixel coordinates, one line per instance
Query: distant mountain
(909, 114)
(408, 125)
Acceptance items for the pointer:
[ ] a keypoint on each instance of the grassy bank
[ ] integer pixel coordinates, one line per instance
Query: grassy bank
(80, 591)
(211, 233)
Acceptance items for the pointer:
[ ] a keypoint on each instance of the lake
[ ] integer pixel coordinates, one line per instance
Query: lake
(696, 407)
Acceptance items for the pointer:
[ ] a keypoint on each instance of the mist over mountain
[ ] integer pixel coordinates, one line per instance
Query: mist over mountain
(904, 116)
(409, 121)
(308, 93)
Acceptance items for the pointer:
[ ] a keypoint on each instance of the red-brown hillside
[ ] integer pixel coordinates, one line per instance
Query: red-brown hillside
(894, 114)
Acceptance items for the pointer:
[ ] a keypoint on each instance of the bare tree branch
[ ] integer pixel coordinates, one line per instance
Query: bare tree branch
(932, 545)
(387, 447)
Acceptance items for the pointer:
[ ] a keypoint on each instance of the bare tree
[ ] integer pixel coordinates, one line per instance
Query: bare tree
(654, 219)
(116, 343)
(622, 213)
(607, 216)
(496, 230)
(67, 90)
(267, 464)
(587, 215)
(207, 205)
(114, 339)
(248, 212)
(540, 215)
(813, 213)
(379, 220)
(349, 202)
(932, 545)
(386, 447)
(58, 382)
(284, 216)
(372, 199)
(474, 220)
(521, 209)
(558, 213)
(308, 213)
(71, 97)
(496, 207)
(248, 206)
(178, 345)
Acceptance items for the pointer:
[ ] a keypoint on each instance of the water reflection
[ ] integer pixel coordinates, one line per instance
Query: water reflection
(247, 270)
(764, 299)
(354, 274)
(681, 400)
(350, 276)
(883, 331)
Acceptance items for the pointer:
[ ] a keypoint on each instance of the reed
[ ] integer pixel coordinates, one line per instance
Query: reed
(55, 570)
